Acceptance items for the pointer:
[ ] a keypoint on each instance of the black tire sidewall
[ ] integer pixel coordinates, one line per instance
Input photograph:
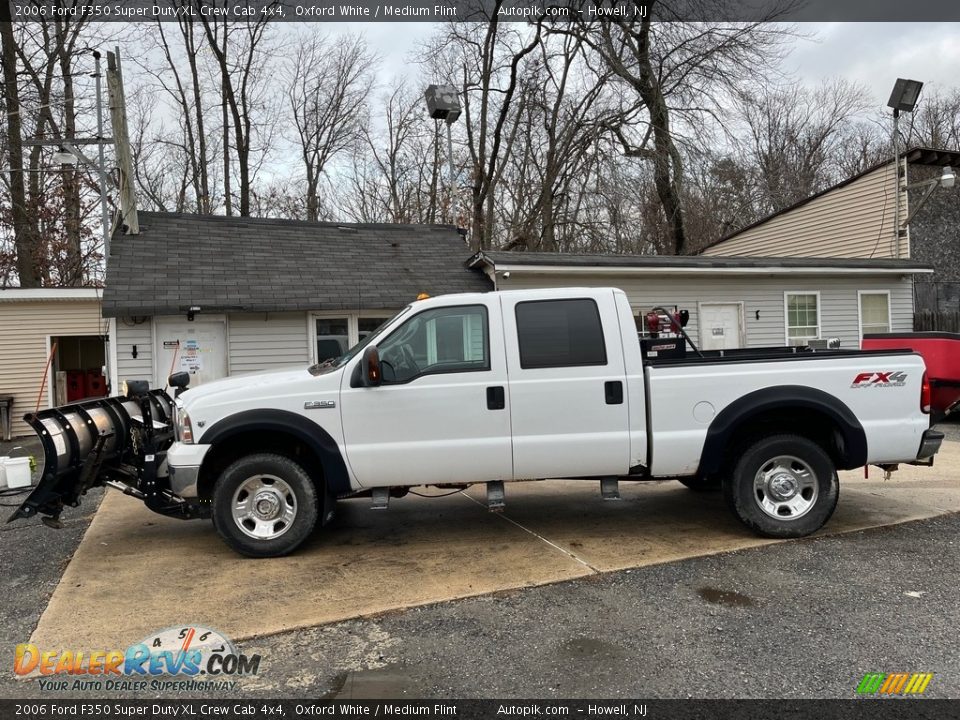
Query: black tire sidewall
(739, 491)
(268, 464)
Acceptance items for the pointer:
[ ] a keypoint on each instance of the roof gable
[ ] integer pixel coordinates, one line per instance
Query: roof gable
(932, 157)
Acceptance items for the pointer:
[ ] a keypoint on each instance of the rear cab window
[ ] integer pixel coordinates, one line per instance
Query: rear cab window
(560, 333)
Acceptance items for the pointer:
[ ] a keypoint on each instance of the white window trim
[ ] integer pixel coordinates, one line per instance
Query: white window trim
(786, 314)
(353, 324)
(860, 294)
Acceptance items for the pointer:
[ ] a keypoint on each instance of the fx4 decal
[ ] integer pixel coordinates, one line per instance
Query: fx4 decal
(880, 379)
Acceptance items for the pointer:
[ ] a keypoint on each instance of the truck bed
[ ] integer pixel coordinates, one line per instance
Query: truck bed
(765, 354)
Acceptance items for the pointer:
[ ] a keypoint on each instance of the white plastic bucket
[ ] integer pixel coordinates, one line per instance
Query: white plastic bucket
(17, 471)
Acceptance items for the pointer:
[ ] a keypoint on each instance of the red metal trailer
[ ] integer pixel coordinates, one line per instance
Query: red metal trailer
(941, 352)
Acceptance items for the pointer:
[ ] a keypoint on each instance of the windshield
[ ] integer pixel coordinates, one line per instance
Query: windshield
(334, 363)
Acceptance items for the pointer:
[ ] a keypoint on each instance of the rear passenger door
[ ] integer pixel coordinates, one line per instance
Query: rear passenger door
(568, 407)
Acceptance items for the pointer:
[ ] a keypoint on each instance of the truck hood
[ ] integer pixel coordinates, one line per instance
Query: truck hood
(286, 388)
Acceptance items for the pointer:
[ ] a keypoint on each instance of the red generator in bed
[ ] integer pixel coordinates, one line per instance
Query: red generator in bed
(941, 353)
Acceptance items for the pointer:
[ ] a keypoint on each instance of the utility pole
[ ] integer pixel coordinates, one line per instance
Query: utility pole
(121, 139)
(104, 212)
(896, 183)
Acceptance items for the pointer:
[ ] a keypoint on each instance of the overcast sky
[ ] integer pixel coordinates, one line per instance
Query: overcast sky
(874, 54)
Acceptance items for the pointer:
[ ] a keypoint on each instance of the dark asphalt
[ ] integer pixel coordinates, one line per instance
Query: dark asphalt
(795, 620)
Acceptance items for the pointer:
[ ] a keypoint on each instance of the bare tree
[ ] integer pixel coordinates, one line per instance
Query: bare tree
(794, 135)
(186, 89)
(25, 238)
(936, 120)
(242, 52)
(483, 60)
(684, 72)
(329, 84)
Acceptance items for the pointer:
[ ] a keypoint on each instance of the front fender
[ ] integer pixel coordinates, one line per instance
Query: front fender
(283, 421)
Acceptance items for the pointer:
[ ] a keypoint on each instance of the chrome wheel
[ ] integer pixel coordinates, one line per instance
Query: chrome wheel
(264, 507)
(785, 487)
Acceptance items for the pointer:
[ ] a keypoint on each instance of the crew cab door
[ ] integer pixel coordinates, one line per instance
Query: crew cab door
(441, 414)
(568, 395)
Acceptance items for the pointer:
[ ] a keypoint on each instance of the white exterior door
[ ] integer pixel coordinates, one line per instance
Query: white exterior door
(721, 326)
(198, 347)
(567, 386)
(442, 413)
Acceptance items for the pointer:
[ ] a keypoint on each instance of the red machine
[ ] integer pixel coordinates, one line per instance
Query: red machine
(76, 385)
(941, 352)
(96, 384)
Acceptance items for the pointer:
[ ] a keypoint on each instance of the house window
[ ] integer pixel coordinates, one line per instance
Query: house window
(803, 317)
(874, 312)
(335, 334)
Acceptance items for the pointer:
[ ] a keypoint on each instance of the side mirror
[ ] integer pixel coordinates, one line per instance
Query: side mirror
(370, 367)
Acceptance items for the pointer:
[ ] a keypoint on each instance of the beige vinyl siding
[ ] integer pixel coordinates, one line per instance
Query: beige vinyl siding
(25, 327)
(855, 220)
(839, 305)
(267, 340)
(134, 332)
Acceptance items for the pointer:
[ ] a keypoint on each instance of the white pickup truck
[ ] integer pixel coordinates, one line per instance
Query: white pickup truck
(488, 388)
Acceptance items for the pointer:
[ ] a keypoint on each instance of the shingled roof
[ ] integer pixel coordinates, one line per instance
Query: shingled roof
(505, 260)
(234, 264)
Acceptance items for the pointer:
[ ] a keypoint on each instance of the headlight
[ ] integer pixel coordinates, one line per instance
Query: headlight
(182, 426)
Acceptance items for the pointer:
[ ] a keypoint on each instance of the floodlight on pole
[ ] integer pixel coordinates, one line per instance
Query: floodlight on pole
(443, 103)
(64, 157)
(903, 98)
(948, 177)
(905, 95)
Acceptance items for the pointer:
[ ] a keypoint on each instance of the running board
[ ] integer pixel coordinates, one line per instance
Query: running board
(610, 488)
(496, 497)
(380, 497)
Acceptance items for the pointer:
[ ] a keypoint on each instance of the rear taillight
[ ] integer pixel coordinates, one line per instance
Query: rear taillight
(925, 394)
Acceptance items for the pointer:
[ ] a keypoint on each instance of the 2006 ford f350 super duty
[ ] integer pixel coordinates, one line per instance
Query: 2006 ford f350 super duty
(487, 388)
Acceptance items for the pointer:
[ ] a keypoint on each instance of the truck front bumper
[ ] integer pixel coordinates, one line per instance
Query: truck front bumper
(183, 465)
(929, 445)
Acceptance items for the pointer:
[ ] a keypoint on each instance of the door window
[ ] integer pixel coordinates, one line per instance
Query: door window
(560, 333)
(451, 339)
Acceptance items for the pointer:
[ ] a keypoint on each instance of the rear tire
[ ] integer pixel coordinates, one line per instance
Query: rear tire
(783, 486)
(264, 505)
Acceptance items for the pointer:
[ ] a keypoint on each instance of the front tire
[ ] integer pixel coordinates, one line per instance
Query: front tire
(783, 486)
(264, 505)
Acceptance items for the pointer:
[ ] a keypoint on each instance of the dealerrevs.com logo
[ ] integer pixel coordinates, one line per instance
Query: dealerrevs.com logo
(880, 379)
(178, 652)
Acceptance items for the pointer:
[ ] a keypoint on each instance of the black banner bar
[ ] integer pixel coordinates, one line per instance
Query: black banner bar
(559, 11)
(862, 709)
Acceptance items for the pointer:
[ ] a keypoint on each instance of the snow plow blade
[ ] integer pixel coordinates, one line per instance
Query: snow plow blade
(120, 442)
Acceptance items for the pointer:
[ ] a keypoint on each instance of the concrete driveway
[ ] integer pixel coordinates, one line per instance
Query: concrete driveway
(419, 552)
